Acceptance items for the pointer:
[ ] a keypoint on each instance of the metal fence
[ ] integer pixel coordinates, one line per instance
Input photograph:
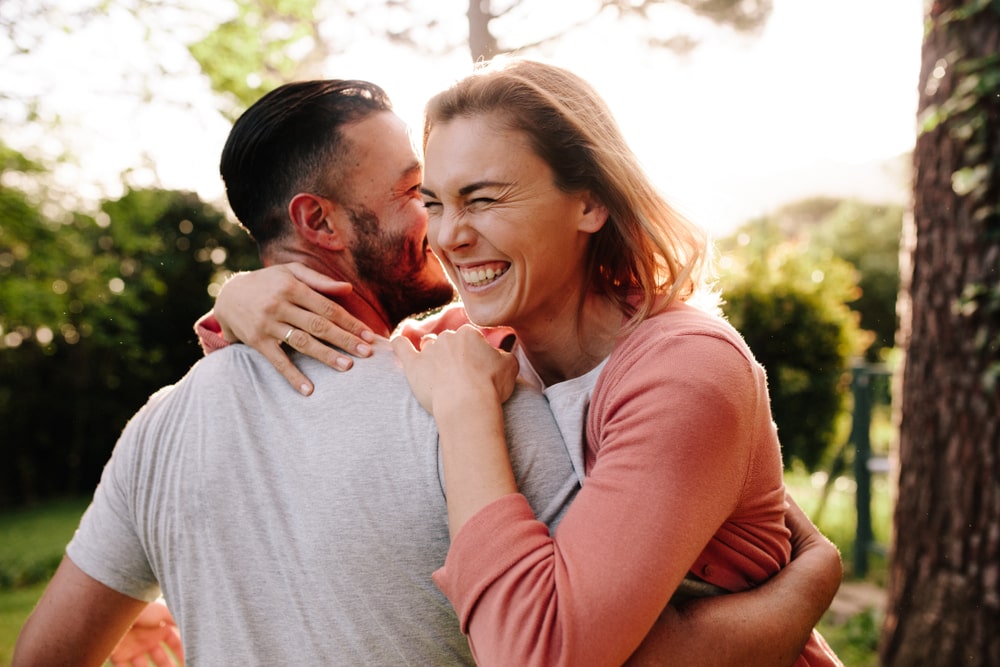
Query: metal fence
(865, 464)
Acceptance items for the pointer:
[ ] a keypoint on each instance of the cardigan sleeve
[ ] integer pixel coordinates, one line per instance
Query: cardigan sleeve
(670, 447)
(209, 333)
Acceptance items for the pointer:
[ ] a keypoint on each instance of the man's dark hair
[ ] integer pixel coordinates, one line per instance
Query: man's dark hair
(290, 141)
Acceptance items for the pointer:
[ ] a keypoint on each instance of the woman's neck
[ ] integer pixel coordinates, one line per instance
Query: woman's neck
(571, 344)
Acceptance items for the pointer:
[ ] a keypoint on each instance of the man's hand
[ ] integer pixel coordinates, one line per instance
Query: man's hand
(147, 642)
(764, 626)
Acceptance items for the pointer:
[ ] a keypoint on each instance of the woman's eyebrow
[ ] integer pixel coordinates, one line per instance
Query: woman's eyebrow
(470, 188)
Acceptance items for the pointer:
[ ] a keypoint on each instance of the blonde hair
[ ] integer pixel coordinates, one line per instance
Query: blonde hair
(645, 248)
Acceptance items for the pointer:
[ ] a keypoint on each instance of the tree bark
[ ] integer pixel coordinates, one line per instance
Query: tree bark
(944, 580)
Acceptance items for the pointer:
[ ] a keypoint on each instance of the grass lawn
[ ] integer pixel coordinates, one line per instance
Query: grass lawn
(838, 519)
(15, 605)
(32, 543)
(855, 641)
(32, 540)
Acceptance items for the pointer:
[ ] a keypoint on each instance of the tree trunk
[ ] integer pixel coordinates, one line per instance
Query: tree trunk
(482, 43)
(944, 580)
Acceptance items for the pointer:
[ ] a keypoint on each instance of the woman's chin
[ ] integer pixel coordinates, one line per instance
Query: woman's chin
(483, 316)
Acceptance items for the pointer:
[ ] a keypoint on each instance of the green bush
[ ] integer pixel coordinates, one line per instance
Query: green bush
(813, 286)
(97, 314)
(791, 308)
(868, 237)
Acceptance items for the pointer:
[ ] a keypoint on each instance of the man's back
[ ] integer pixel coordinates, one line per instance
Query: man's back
(297, 530)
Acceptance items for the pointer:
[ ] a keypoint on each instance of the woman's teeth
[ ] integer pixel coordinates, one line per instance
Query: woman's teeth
(481, 276)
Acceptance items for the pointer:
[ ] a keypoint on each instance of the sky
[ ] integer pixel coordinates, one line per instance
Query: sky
(815, 104)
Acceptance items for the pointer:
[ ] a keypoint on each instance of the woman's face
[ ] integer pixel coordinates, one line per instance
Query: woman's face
(512, 242)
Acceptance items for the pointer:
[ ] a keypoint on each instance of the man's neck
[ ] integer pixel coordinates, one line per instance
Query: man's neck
(359, 302)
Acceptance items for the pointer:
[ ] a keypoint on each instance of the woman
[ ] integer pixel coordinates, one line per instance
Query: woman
(546, 224)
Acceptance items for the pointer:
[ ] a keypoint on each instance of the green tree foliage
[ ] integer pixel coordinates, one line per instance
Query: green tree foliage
(269, 42)
(260, 48)
(867, 236)
(789, 304)
(96, 315)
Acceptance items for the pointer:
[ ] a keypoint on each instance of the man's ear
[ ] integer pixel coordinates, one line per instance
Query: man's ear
(312, 217)
(595, 214)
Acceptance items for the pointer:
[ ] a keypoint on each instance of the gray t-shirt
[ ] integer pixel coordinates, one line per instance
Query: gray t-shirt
(285, 529)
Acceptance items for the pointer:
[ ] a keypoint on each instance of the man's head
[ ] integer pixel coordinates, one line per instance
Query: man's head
(291, 140)
(324, 172)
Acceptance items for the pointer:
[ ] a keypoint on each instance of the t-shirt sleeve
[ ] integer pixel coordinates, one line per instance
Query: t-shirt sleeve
(107, 545)
(539, 457)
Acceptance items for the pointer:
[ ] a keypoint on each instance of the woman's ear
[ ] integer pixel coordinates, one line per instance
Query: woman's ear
(595, 214)
(312, 217)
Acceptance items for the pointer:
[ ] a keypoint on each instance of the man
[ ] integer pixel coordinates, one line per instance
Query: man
(291, 530)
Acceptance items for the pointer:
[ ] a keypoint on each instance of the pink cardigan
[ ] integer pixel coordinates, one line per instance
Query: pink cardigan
(683, 466)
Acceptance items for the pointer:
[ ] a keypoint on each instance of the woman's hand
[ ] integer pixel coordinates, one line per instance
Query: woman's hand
(454, 367)
(463, 381)
(285, 303)
(146, 642)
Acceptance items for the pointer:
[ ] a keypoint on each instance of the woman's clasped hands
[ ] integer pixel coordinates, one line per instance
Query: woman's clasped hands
(453, 368)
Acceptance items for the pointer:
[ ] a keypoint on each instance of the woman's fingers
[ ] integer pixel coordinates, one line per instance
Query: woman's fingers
(276, 354)
(321, 319)
(419, 374)
(448, 363)
(278, 309)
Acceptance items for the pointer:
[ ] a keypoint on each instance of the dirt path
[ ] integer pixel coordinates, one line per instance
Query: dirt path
(855, 597)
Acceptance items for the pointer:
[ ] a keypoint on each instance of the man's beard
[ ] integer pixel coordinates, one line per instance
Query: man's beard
(391, 266)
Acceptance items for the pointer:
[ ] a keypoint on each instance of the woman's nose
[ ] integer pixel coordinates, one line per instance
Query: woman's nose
(450, 230)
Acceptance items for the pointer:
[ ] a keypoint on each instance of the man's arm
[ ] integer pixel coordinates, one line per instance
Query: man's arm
(77, 622)
(765, 626)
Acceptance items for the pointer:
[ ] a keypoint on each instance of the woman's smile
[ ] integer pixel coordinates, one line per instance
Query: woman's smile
(482, 275)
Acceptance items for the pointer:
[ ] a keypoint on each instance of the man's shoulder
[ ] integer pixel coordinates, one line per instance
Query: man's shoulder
(240, 360)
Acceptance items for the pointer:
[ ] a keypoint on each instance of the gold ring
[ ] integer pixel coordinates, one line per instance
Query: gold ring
(288, 335)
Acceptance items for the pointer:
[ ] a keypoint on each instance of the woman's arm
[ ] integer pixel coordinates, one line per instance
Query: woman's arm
(665, 480)
(288, 304)
(260, 308)
(476, 379)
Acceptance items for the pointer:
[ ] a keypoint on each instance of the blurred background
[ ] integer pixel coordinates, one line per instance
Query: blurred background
(785, 128)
